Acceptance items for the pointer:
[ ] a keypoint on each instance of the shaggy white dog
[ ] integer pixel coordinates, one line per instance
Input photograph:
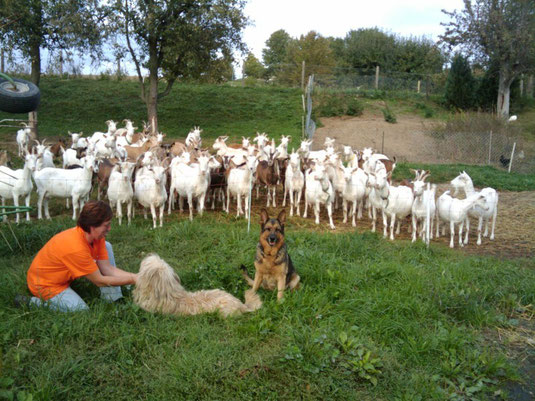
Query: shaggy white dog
(158, 289)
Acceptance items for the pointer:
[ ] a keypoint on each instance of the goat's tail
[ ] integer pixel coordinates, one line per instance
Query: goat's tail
(246, 276)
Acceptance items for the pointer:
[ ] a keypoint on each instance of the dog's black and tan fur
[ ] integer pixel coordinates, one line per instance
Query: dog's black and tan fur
(273, 265)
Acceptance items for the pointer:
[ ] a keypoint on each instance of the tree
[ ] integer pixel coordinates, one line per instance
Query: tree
(368, 48)
(499, 30)
(274, 54)
(57, 25)
(178, 39)
(417, 56)
(314, 50)
(252, 67)
(460, 84)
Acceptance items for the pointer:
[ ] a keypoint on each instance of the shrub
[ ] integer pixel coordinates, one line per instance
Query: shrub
(460, 85)
(389, 115)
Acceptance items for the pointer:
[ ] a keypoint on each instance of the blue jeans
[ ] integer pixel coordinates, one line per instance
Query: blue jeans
(69, 301)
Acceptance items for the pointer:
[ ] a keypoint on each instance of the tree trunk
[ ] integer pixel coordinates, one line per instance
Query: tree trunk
(152, 103)
(504, 92)
(35, 56)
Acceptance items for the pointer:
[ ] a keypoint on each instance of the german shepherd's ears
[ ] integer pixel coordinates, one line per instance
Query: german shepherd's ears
(264, 217)
(282, 217)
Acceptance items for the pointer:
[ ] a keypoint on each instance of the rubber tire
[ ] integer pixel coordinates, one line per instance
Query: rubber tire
(24, 101)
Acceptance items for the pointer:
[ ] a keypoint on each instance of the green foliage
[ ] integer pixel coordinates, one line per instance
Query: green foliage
(311, 48)
(336, 103)
(460, 85)
(482, 176)
(372, 320)
(425, 108)
(274, 54)
(389, 114)
(252, 67)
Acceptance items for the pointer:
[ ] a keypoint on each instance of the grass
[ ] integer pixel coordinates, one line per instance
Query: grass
(373, 319)
(421, 314)
(85, 104)
(482, 176)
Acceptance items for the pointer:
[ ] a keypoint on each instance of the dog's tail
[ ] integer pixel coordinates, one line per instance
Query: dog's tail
(252, 300)
(245, 275)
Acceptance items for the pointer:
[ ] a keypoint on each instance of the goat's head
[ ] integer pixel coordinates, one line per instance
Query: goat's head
(366, 153)
(329, 142)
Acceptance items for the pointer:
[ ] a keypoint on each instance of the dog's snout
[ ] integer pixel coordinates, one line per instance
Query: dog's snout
(272, 238)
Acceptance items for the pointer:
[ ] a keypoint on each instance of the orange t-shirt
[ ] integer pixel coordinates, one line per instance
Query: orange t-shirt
(64, 258)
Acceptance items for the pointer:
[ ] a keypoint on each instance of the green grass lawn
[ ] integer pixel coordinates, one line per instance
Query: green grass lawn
(85, 104)
(373, 320)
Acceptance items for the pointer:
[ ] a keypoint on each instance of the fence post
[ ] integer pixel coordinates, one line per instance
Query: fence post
(303, 75)
(383, 144)
(419, 82)
(512, 155)
(2, 62)
(377, 77)
(529, 89)
(522, 85)
(490, 146)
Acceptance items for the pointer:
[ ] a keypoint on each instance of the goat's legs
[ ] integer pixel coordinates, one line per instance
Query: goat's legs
(119, 212)
(162, 209)
(306, 206)
(153, 214)
(170, 200)
(344, 207)
(298, 201)
(353, 212)
(129, 211)
(392, 225)
(398, 229)
(274, 195)
(190, 204)
(317, 212)
(228, 200)
(374, 218)
(238, 206)
(493, 222)
(284, 200)
(385, 224)
(75, 205)
(27, 202)
(452, 233)
(200, 203)
(468, 229)
(461, 225)
(479, 226)
(414, 225)
(330, 213)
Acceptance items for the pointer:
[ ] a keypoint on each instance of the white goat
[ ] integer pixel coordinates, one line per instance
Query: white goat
(191, 182)
(464, 182)
(57, 182)
(239, 184)
(318, 191)
(455, 211)
(398, 205)
(354, 192)
(120, 189)
(193, 140)
(23, 138)
(423, 208)
(149, 189)
(15, 183)
(294, 183)
(45, 156)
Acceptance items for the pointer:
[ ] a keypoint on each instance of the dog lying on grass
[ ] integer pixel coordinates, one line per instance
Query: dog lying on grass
(158, 289)
(273, 265)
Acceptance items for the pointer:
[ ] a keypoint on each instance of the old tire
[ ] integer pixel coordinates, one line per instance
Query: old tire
(24, 99)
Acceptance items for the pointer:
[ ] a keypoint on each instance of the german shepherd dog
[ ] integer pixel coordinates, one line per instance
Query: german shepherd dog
(273, 265)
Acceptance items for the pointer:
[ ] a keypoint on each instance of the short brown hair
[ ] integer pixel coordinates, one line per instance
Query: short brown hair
(94, 214)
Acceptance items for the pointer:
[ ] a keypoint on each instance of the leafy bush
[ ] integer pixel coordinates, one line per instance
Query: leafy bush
(460, 85)
(389, 115)
(333, 104)
(426, 109)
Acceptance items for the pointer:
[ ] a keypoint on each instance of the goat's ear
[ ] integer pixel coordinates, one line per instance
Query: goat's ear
(282, 217)
(264, 217)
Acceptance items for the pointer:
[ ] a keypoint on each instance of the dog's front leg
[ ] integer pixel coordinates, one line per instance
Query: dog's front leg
(257, 281)
(281, 285)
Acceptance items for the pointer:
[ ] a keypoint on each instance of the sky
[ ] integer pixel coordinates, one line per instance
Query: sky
(329, 18)
(337, 17)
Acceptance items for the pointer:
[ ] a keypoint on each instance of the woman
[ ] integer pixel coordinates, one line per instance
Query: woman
(81, 251)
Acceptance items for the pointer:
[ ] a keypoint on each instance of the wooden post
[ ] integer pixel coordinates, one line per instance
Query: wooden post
(419, 82)
(511, 159)
(303, 127)
(118, 67)
(529, 89)
(32, 119)
(303, 75)
(377, 77)
(383, 144)
(2, 61)
(522, 85)
(60, 62)
(490, 146)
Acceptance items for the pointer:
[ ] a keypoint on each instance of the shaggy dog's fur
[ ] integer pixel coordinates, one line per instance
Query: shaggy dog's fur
(158, 289)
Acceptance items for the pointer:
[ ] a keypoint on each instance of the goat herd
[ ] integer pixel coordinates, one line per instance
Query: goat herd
(139, 165)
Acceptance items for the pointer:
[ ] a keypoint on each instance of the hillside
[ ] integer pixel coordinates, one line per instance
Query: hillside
(85, 104)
